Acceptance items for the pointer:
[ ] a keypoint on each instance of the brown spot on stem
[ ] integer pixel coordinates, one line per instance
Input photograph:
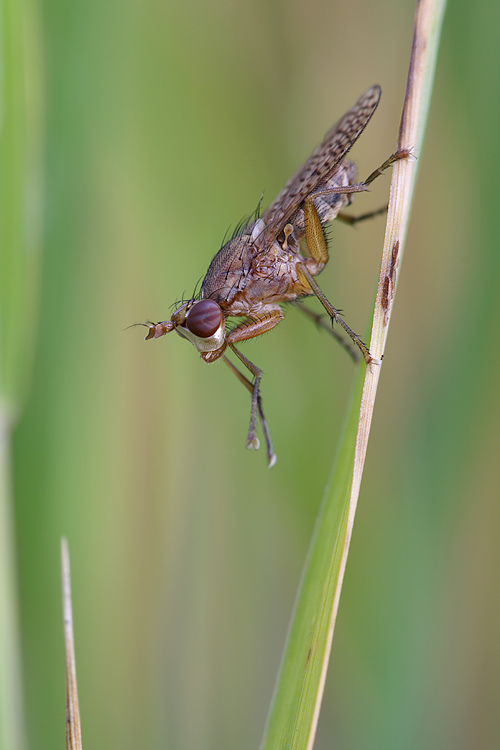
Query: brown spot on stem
(385, 292)
(389, 280)
(394, 260)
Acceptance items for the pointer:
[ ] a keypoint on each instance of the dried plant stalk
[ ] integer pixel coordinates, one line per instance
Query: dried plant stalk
(73, 725)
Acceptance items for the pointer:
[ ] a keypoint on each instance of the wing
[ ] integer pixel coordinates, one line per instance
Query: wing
(320, 166)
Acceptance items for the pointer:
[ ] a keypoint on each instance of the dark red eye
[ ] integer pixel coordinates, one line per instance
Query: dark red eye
(204, 318)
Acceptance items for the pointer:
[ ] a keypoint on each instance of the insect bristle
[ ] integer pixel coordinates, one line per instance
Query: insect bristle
(197, 288)
(241, 226)
(179, 302)
(243, 223)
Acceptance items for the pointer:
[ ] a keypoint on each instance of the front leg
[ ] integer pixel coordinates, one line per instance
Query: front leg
(249, 329)
(271, 455)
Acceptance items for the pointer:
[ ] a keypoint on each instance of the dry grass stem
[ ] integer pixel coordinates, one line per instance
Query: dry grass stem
(428, 17)
(73, 726)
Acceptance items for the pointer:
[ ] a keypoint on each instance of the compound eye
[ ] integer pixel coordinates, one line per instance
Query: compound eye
(204, 318)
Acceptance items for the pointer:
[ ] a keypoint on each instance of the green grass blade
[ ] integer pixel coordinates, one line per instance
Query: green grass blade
(11, 712)
(18, 233)
(295, 709)
(19, 205)
(295, 704)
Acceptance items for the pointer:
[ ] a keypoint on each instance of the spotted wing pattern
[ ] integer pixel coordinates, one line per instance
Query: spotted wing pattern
(320, 166)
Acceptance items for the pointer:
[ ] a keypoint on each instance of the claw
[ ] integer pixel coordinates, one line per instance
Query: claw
(253, 443)
(374, 361)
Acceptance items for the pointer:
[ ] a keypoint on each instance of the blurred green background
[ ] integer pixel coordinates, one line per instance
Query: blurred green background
(161, 124)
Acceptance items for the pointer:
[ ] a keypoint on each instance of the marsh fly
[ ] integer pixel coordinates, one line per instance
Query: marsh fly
(274, 259)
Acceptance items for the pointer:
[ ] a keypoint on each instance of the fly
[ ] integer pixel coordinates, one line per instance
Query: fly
(275, 258)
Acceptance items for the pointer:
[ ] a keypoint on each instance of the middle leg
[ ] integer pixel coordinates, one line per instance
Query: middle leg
(322, 322)
(318, 248)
